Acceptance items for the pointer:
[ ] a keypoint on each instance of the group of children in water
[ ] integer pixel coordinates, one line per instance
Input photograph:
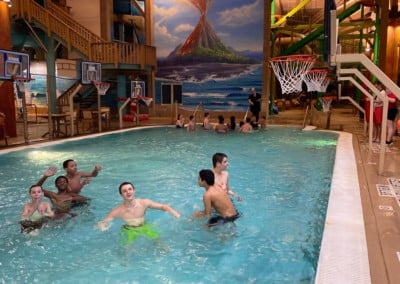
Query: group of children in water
(131, 210)
(248, 124)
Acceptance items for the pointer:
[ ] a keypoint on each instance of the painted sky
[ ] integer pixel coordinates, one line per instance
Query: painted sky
(238, 23)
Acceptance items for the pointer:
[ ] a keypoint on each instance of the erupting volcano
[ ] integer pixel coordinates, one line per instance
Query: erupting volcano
(203, 44)
(203, 36)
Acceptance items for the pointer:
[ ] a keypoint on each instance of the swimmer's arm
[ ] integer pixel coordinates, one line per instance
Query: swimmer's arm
(96, 170)
(50, 172)
(237, 196)
(105, 224)
(230, 191)
(162, 207)
(48, 212)
(207, 208)
(77, 197)
(25, 212)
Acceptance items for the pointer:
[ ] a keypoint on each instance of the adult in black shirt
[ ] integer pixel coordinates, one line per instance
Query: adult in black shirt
(255, 103)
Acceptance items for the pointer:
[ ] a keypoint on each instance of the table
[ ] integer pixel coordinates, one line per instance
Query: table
(56, 118)
(103, 111)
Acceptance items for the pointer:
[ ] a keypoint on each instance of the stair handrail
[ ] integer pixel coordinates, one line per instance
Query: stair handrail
(67, 19)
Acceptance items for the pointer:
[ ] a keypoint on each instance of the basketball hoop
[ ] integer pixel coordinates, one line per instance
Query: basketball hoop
(326, 103)
(290, 71)
(324, 85)
(146, 100)
(23, 83)
(102, 87)
(314, 79)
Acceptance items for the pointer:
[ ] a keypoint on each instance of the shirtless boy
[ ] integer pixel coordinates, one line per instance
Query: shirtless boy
(74, 177)
(34, 212)
(132, 210)
(64, 198)
(215, 198)
(220, 164)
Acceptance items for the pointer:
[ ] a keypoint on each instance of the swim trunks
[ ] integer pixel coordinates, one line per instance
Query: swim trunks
(129, 233)
(28, 226)
(222, 220)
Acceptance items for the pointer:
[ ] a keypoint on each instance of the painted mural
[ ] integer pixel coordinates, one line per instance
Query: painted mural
(213, 47)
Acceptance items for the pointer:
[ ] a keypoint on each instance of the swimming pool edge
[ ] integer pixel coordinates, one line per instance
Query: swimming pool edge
(344, 255)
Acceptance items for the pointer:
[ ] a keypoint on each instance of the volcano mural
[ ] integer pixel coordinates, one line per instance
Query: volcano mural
(203, 44)
(213, 47)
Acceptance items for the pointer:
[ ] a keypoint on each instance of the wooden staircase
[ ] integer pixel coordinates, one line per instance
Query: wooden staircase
(57, 23)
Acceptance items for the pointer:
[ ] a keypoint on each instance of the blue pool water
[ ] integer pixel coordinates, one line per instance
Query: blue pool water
(283, 175)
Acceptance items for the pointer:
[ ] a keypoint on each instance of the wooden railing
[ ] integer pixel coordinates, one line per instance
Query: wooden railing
(57, 22)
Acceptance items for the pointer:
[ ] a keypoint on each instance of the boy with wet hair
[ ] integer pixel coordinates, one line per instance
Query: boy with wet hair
(132, 211)
(35, 212)
(220, 164)
(215, 198)
(74, 176)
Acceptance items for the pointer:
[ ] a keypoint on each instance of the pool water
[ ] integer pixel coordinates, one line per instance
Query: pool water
(283, 174)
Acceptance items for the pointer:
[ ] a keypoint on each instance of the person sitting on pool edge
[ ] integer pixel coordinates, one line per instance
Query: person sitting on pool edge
(35, 212)
(64, 199)
(74, 177)
(132, 211)
(215, 198)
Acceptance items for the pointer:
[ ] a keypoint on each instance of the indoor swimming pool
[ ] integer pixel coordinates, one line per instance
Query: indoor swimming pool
(283, 174)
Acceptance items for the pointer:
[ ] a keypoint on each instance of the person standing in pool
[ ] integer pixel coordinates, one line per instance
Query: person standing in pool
(215, 198)
(132, 211)
(180, 121)
(221, 127)
(206, 121)
(35, 212)
(220, 165)
(255, 103)
(74, 177)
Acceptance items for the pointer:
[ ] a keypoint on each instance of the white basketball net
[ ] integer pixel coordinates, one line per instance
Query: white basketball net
(314, 80)
(326, 103)
(102, 87)
(324, 85)
(290, 71)
(24, 87)
(147, 101)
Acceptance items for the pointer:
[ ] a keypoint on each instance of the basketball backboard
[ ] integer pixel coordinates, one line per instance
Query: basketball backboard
(14, 64)
(91, 72)
(137, 89)
(333, 40)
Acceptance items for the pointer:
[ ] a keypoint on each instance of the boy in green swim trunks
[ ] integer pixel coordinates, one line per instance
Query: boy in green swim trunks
(132, 211)
(215, 198)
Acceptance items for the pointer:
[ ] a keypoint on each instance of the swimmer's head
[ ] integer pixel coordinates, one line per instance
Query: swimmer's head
(218, 158)
(66, 162)
(124, 183)
(61, 183)
(34, 187)
(207, 176)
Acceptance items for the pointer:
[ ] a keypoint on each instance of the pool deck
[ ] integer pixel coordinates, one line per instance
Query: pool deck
(379, 209)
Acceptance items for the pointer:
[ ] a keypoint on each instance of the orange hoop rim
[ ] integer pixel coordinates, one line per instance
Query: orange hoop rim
(295, 57)
(318, 70)
(332, 98)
